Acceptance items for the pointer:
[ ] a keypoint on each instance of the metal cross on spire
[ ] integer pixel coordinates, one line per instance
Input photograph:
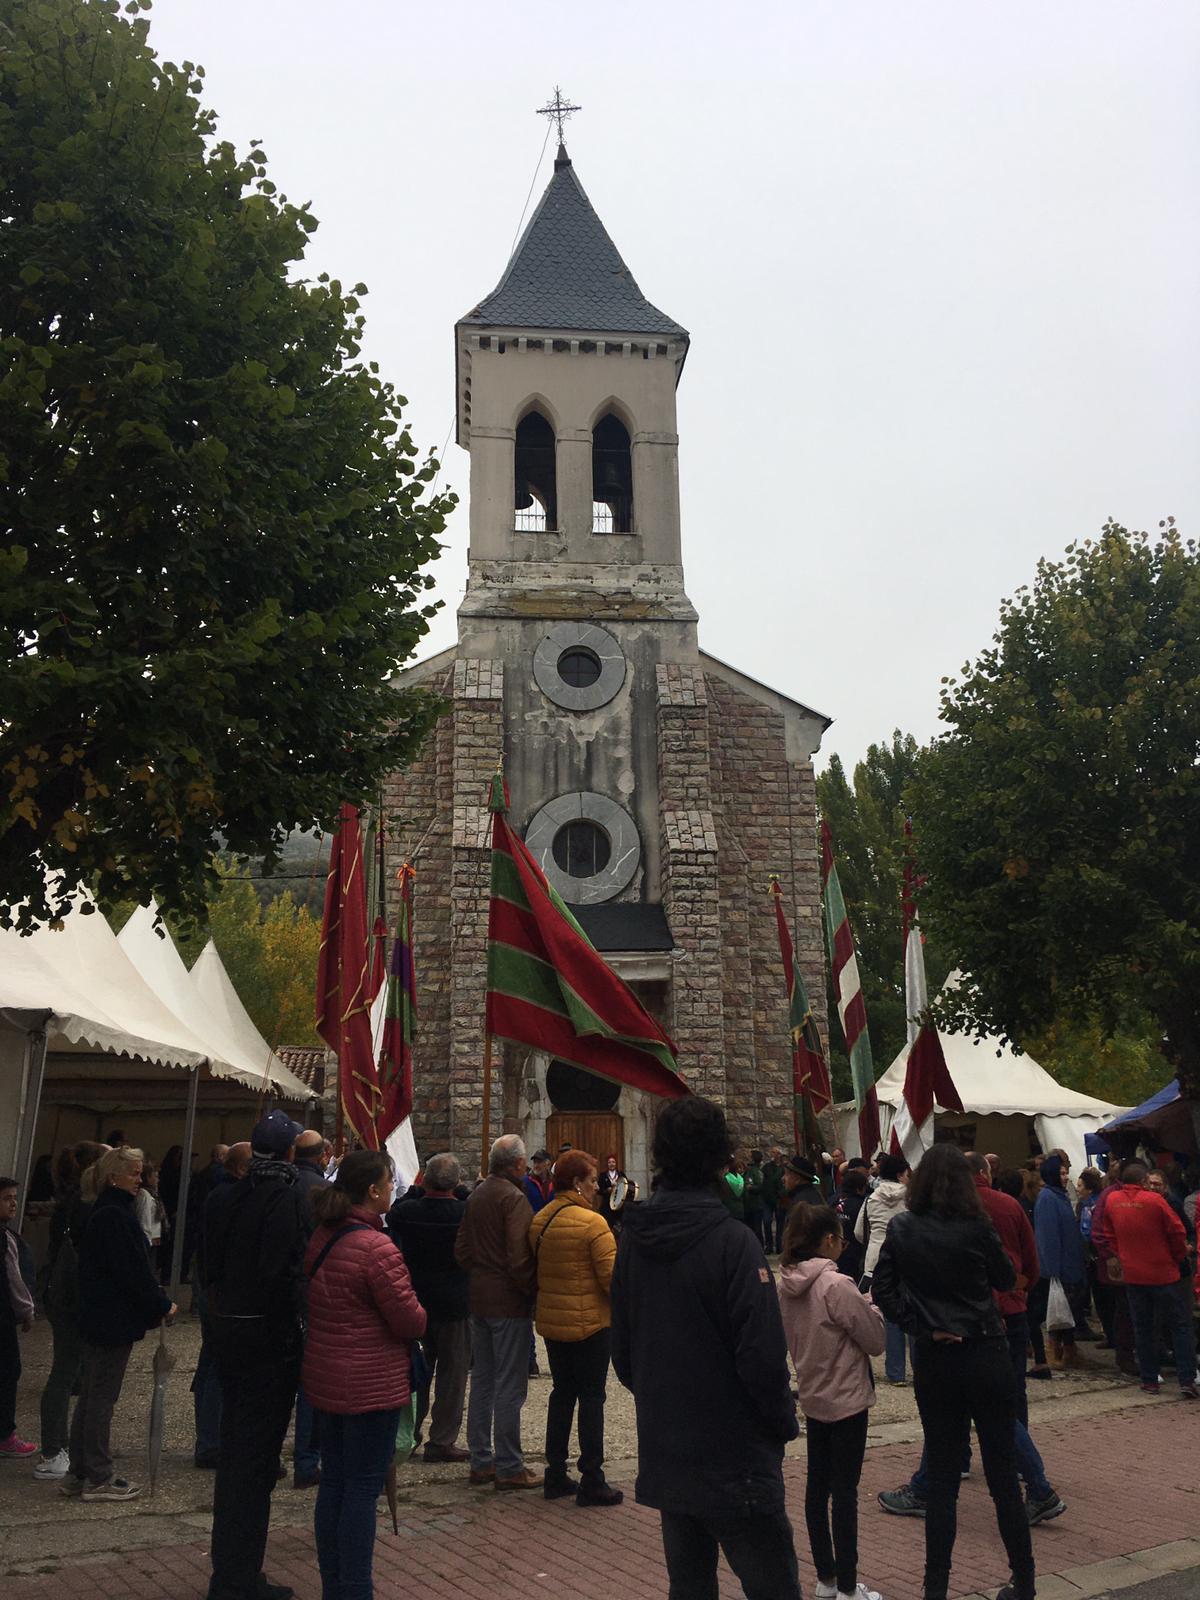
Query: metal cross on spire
(560, 109)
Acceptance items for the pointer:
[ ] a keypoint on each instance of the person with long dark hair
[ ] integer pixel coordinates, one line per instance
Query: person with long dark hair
(940, 1261)
(832, 1331)
(362, 1319)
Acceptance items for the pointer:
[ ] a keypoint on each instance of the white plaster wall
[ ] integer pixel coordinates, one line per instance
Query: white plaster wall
(573, 391)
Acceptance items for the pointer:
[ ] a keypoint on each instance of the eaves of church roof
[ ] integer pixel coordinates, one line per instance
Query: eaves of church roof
(566, 273)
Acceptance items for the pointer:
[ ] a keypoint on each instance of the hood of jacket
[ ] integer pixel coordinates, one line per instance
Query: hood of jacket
(674, 1221)
(892, 1195)
(798, 1279)
(1051, 1170)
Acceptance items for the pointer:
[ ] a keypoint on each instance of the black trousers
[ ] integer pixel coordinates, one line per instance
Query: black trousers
(579, 1369)
(10, 1372)
(759, 1550)
(835, 1458)
(956, 1384)
(256, 1408)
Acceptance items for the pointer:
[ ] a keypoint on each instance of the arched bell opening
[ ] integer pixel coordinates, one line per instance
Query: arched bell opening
(612, 477)
(534, 476)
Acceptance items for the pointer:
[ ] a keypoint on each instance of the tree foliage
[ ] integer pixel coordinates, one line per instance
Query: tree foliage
(1061, 811)
(866, 817)
(270, 953)
(213, 523)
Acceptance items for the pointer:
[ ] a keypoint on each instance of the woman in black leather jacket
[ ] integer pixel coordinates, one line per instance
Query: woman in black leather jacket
(940, 1262)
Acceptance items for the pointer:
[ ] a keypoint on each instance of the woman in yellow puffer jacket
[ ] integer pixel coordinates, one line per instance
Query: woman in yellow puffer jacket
(574, 1250)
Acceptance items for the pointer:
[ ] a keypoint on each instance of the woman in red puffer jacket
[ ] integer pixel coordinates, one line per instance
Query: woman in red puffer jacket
(362, 1316)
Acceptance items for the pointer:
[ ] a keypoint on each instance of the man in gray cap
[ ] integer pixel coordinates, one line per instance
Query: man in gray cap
(255, 1233)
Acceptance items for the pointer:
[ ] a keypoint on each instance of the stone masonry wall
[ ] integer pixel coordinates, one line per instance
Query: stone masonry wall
(764, 809)
(690, 883)
(478, 745)
(418, 802)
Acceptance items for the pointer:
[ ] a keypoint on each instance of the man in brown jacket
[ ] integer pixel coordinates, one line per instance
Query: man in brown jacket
(493, 1246)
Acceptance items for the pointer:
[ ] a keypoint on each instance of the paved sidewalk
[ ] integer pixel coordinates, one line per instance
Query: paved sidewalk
(1129, 1477)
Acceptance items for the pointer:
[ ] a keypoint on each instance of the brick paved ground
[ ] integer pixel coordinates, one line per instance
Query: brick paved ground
(1129, 1477)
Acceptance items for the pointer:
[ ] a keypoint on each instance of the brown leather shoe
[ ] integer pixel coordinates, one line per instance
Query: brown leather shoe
(488, 1475)
(523, 1480)
(445, 1452)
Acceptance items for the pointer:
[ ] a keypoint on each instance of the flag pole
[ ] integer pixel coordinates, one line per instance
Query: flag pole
(487, 1102)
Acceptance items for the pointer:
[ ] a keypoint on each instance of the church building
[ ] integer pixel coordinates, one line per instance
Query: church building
(656, 786)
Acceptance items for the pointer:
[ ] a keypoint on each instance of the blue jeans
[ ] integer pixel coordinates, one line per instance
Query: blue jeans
(1029, 1464)
(1172, 1303)
(895, 1344)
(306, 1453)
(355, 1452)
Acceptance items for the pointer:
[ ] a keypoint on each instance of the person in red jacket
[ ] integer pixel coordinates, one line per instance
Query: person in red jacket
(1142, 1231)
(362, 1317)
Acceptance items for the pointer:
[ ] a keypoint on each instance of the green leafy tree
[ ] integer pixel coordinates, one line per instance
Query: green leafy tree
(1061, 811)
(213, 525)
(866, 818)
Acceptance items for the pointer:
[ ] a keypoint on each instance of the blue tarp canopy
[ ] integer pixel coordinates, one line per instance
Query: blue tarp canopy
(1164, 1116)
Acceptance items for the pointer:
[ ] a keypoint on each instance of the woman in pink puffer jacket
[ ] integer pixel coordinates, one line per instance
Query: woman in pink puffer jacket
(362, 1317)
(832, 1330)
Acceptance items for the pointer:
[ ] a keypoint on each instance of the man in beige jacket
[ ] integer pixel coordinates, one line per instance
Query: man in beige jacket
(493, 1247)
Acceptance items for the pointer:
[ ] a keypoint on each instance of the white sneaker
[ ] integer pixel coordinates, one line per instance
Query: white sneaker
(861, 1592)
(52, 1467)
(826, 1591)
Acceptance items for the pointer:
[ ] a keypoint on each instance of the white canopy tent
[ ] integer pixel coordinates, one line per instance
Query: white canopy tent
(240, 1050)
(993, 1081)
(74, 993)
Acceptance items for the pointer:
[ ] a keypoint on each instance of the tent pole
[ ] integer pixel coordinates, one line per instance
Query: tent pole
(185, 1183)
(35, 1077)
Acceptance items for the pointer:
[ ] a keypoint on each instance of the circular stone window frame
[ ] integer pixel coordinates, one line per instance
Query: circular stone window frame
(622, 832)
(588, 636)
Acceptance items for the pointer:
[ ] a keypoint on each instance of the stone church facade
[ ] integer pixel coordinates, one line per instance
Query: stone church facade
(657, 786)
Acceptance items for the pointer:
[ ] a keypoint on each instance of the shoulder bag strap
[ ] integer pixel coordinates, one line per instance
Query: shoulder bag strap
(537, 1247)
(348, 1227)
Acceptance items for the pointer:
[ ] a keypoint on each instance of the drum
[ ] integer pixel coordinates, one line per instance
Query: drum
(619, 1193)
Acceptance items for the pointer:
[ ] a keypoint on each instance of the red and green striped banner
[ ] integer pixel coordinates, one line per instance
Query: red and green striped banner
(852, 1011)
(547, 986)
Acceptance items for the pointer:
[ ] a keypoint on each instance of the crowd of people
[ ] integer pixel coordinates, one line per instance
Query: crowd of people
(325, 1296)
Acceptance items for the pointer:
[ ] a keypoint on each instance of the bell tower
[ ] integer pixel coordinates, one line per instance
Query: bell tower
(655, 785)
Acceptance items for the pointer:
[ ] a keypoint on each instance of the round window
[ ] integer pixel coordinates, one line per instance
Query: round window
(587, 845)
(578, 668)
(581, 849)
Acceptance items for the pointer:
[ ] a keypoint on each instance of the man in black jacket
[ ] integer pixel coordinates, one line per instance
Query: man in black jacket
(698, 1338)
(255, 1233)
(425, 1229)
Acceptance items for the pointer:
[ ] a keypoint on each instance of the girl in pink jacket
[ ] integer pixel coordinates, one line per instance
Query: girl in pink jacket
(831, 1330)
(362, 1317)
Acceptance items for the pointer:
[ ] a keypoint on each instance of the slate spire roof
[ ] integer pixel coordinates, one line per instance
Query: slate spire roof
(567, 273)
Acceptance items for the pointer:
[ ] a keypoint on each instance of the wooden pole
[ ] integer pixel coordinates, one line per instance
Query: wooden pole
(339, 1122)
(487, 1103)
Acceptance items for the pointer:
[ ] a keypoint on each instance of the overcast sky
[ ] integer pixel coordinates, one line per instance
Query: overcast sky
(938, 259)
